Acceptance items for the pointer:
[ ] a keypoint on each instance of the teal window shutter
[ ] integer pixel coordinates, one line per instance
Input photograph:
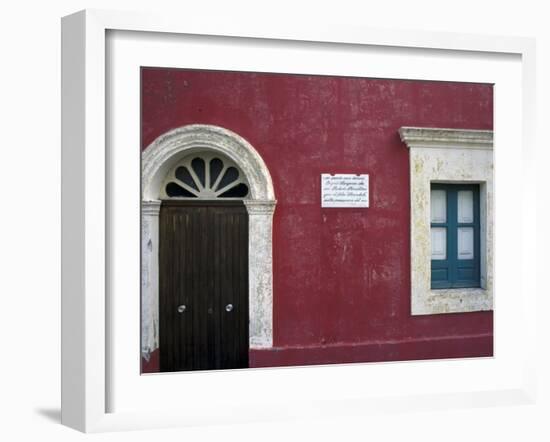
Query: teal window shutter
(455, 235)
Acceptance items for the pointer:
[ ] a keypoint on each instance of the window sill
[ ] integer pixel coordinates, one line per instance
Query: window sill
(458, 300)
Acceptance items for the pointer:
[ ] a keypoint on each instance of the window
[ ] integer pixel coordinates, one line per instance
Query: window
(451, 224)
(454, 226)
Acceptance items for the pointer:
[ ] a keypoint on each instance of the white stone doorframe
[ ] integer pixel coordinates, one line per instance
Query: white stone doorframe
(156, 160)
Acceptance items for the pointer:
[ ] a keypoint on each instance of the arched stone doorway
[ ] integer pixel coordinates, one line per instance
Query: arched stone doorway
(158, 160)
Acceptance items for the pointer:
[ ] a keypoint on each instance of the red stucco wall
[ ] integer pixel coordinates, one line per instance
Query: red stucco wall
(341, 276)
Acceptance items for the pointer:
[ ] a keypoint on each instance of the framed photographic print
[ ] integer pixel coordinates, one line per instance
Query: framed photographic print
(253, 257)
(236, 201)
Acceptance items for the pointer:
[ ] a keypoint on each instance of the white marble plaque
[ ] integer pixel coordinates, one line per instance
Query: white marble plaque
(344, 190)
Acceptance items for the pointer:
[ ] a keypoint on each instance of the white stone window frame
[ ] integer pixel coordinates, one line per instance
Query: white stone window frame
(157, 160)
(453, 156)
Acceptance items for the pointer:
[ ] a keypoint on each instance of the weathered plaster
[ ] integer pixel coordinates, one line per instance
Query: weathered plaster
(168, 149)
(149, 276)
(260, 222)
(448, 156)
(157, 160)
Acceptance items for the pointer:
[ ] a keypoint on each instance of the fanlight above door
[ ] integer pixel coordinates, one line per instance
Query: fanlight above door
(205, 176)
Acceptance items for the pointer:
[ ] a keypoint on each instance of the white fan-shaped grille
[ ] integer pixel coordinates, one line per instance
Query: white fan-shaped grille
(205, 176)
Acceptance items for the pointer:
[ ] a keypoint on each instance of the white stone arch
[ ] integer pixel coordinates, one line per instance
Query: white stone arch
(156, 160)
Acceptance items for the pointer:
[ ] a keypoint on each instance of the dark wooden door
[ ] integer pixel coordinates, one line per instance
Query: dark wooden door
(203, 292)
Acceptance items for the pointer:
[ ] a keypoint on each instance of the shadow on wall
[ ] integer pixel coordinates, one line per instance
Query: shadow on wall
(51, 414)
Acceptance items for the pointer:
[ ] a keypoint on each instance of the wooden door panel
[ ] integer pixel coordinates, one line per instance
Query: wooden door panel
(230, 275)
(203, 264)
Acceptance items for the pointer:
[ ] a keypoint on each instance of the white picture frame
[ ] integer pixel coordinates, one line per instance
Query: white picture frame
(87, 313)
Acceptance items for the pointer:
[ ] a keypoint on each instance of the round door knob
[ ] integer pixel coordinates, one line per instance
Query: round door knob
(228, 307)
(182, 308)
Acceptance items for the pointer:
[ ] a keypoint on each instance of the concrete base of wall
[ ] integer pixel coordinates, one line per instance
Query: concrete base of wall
(405, 350)
(439, 348)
